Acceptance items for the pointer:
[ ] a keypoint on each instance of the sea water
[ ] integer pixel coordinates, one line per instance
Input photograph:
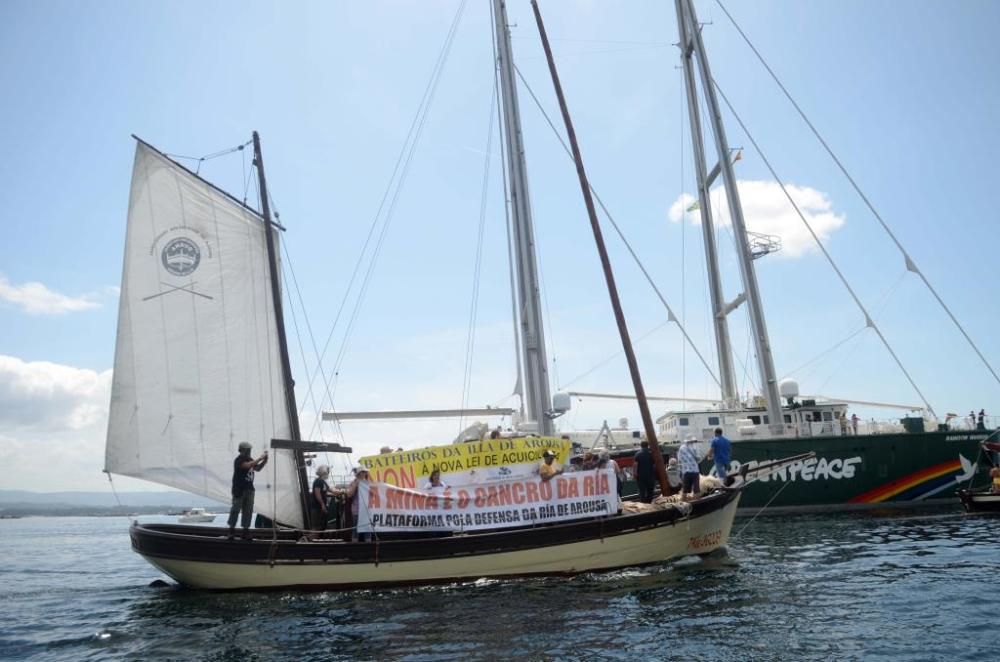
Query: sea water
(880, 585)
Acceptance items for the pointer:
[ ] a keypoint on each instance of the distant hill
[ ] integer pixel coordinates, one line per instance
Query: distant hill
(21, 499)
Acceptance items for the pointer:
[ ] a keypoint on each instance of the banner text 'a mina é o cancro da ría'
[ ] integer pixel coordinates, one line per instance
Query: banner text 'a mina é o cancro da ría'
(517, 502)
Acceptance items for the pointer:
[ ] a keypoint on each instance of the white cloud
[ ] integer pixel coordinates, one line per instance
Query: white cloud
(36, 299)
(53, 420)
(768, 211)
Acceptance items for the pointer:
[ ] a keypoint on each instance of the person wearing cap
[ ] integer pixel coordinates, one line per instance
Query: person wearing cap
(360, 477)
(688, 458)
(547, 470)
(244, 468)
(318, 512)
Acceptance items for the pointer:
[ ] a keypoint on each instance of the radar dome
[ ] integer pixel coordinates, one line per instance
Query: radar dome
(789, 388)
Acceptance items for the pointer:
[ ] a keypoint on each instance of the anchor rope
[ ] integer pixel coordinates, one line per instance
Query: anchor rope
(763, 508)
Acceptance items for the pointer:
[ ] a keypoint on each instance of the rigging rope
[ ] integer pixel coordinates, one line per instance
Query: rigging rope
(671, 317)
(470, 338)
(209, 157)
(393, 187)
(869, 322)
(910, 264)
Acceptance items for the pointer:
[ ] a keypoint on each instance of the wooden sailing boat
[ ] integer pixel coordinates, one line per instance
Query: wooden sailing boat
(201, 364)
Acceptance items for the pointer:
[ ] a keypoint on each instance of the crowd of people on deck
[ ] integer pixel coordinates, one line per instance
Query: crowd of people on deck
(327, 503)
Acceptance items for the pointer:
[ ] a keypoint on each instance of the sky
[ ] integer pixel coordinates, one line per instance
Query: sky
(906, 94)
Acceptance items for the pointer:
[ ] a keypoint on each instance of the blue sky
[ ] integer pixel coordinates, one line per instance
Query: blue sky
(905, 92)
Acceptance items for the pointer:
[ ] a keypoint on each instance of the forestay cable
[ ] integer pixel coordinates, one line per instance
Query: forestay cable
(869, 322)
(671, 317)
(470, 338)
(910, 264)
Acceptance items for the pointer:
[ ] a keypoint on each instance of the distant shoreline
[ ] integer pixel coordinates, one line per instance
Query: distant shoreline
(13, 511)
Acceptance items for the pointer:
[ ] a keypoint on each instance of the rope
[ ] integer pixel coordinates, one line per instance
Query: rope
(310, 394)
(393, 188)
(910, 264)
(519, 384)
(869, 322)
(615, 355)
(470, 339)
(113, 490)
(757, 514)
(670, 313)
(209, 157)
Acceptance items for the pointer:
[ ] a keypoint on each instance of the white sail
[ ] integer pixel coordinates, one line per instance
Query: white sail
(197, 364)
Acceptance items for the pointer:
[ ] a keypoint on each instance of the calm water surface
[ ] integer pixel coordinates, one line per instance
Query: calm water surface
(914, 586)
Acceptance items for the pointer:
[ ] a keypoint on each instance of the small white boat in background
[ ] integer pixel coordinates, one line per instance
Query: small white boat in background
(192, 515)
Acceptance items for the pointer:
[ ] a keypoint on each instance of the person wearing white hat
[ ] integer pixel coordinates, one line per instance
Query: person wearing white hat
(244, 468)
(360, 476)
(687, 457)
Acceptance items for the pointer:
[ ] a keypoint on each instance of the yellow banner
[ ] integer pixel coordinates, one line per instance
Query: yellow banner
(474, 461)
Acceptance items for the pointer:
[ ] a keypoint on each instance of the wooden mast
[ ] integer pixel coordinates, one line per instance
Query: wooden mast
(286, 368)
(609, 277)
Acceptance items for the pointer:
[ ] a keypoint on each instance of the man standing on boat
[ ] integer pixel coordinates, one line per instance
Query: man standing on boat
(645, 472)
(244, 468)
(688, 458)
(720, 453)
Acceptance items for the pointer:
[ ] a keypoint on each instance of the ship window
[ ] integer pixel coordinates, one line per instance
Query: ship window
(755, 420)
(788, 418)
(766, 420)
(827, 416)
(713, 420)
(682, 421)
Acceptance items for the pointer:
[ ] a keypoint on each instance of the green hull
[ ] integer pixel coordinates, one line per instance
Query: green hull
(859, 471)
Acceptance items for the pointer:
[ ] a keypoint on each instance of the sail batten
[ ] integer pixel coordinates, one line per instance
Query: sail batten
(196, 367)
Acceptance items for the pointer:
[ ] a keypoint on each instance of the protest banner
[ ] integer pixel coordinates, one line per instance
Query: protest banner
(468, 463)
(519, 502)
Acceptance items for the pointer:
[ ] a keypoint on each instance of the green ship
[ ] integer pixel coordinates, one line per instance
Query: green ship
(873, 467)
(857, 464)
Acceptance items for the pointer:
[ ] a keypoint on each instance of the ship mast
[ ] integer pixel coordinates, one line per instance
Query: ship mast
(279, 319)
(536, 383)
(633, 365)
(693, 48)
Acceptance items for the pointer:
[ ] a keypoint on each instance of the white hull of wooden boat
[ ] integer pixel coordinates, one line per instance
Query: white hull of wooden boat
(687, 537)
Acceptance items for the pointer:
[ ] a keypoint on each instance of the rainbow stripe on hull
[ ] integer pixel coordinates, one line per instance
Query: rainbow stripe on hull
(912, 486)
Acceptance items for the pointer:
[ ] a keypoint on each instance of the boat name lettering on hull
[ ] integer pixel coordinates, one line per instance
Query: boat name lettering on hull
(705, 541)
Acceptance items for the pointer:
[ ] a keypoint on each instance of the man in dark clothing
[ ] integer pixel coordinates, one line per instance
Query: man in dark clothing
(645, 472)
(244, 468)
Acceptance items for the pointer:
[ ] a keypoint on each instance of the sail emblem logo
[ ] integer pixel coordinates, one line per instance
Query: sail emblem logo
(180, 256)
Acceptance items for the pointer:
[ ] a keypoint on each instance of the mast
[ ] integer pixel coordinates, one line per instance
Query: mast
(691, 44)
(536, 382)
(609, 277)
(279, 319)
(723, 346)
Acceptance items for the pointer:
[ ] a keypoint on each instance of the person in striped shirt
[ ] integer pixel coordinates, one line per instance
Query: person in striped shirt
(688, 458)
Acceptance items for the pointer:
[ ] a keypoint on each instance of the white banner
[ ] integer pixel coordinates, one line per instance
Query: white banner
(521, 502)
